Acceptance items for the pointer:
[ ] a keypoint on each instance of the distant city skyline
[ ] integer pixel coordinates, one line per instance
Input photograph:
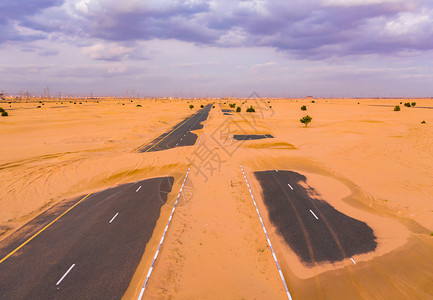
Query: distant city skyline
(171, 48)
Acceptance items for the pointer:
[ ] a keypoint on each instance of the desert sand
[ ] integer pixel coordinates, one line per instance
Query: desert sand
(368, 161)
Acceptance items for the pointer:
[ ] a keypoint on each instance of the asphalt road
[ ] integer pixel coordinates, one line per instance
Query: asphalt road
(245, 137)
(91, 252)
(180, 135)
(315, 231)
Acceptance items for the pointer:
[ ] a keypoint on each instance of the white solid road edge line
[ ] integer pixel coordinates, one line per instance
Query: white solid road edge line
(162, 239)
(314, 214)
(138, 189)
(112, 219)
(267, 238)
(64, 275)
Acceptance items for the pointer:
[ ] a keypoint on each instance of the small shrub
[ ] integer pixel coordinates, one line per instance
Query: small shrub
(232, 105)
(401, 102)
(191, 106)
(423, 122)
(313, 101)
(4, 113)
(407, 104)
(213, 106)
(78, 103)
(138, 105)
(413, 104)
(1, 109)
(397, 108)
(270, 106)
(38, 106)
(306, 120)
(303, 107)
(75, 102)
(202, 106)
(238, 109)
(250, 109)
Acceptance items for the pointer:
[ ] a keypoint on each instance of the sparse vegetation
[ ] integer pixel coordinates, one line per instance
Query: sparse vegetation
(397, 108)
(250, 109)
(232, 105)
(138, 105)
(423, 122)
(306, 120)
(238, 109)
(213, 106)
(202, 106)
(413, 104)
(313, 101)
(1, 109)
(407, 104)
(303, 107)
(191, 106)
(38, 106)
(4, 113)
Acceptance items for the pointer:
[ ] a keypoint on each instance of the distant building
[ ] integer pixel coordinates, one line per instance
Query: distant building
(2, 96)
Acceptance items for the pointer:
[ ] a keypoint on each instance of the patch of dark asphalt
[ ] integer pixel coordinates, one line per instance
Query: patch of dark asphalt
(332, 237)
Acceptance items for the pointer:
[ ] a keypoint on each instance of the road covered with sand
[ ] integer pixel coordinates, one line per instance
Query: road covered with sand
(367, 161)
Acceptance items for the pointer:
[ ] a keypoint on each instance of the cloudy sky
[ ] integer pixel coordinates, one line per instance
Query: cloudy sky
(195, 48)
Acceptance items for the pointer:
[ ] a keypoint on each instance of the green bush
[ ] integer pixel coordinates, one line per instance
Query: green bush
(232, 105)
(413, 104)
(423, 122)
(397, 108)
(202, 106)
(303, 107)
(4, 113)
(213, 106)
(306, 120)
(407, 104)
(1, 109)
(138, 105)
(238, 109)
(250, 109)
(313, 101)
(191, 106)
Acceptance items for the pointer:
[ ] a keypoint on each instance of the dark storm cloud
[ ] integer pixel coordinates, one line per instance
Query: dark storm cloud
(304, 29)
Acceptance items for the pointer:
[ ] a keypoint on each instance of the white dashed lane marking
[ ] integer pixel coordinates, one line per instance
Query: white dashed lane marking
(314, 214)
(138, 189)
(112, 219)
(64, 275)
(290, 186)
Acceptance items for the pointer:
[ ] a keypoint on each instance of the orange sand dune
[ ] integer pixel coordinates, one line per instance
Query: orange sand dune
(366, 160)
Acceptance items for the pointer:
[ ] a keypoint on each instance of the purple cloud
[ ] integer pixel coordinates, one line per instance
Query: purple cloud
(316, 29)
